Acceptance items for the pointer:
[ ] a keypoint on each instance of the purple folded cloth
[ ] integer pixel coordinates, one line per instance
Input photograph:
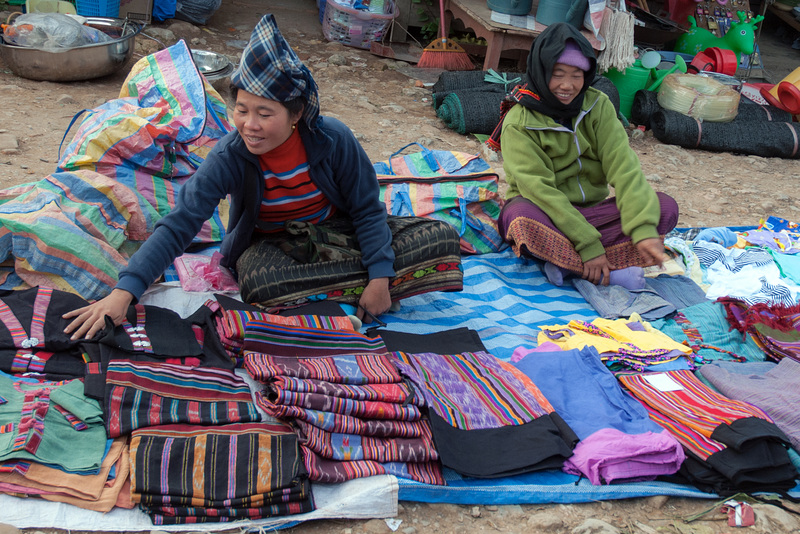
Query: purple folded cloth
(609, 456)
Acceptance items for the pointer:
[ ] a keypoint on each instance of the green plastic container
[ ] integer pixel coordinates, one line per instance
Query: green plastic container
(552, 11)
(511, 7)
(633, 79)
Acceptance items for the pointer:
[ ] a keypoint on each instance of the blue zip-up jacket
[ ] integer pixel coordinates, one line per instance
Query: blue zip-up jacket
(558, 168)
(338, 166)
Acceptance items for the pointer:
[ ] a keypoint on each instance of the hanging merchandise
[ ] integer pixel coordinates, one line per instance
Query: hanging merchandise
(617, 28)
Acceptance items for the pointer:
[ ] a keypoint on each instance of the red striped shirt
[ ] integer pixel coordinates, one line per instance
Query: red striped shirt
(289, 193)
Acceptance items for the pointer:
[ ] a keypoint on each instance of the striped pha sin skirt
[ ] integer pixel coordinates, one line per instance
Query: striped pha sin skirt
(308, 263)
(531, 232)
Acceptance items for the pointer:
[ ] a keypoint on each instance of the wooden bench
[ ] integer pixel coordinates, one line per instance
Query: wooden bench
(476, 16)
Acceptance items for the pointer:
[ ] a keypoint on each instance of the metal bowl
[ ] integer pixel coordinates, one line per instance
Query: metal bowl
(215, 67)
(79, 63)
(211, 64)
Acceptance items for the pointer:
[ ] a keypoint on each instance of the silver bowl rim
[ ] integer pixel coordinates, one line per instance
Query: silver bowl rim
(228, 63)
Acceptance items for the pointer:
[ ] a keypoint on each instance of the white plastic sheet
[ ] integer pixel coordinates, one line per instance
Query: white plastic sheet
(362, 498)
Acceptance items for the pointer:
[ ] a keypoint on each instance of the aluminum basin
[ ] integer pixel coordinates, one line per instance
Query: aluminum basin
(80, 63)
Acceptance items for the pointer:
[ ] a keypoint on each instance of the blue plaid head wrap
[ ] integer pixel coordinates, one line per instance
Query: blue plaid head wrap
(270, 68)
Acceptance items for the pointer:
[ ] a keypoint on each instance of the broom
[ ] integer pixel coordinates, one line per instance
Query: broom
(444, 53)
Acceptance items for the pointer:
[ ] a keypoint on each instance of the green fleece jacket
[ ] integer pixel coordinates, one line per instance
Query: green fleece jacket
(558, 168)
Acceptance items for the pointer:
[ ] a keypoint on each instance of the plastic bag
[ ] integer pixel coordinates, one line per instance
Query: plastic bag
(203, 273)
(593, 18)
(51, 31)
(164, 9)
(196, 11)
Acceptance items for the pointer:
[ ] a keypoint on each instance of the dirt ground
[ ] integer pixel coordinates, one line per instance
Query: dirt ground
(387, 110)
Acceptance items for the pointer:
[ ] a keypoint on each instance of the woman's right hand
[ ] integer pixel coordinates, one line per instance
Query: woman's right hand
(597, 270)
(91, 319)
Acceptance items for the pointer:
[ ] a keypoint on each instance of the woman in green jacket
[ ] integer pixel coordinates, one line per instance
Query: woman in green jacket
(563, 146)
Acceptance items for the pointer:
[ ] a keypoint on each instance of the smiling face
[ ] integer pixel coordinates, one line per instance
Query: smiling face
(263, 124)
(566, 82)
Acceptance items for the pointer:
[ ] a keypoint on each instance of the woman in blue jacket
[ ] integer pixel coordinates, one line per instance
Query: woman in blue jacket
(306, 221)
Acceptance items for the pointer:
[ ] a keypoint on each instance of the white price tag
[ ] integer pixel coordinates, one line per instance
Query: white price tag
(662, 382)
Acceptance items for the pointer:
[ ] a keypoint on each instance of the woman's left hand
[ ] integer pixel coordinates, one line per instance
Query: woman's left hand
(375, 299)
(652, 251)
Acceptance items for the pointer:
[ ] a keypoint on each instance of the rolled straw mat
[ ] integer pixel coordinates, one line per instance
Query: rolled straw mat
(471, 111)
(450, 81)
(756, 137)
(438, 98)
(607, 86)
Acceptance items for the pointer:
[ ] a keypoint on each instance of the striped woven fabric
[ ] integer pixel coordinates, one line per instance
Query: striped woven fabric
(334, 472)
(532, 388)
(236, 465)
(196, 474)
(170, 504)
(294, 340)
(693, 441)
(232, 323)
(344, 369)
(398, 393)
(144, 394)
(345, 424)
(680, 396)
(472, 391)
(357, 408)
(348, 447)
(171, 515)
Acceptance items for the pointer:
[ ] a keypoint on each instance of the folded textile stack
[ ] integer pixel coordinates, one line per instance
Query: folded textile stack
(99, 490)
(355, 414)
(199, 451)
(37, 418)
(622, 344)
(219, 473)
(731, 446)
(146, 394)
(232, 318)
